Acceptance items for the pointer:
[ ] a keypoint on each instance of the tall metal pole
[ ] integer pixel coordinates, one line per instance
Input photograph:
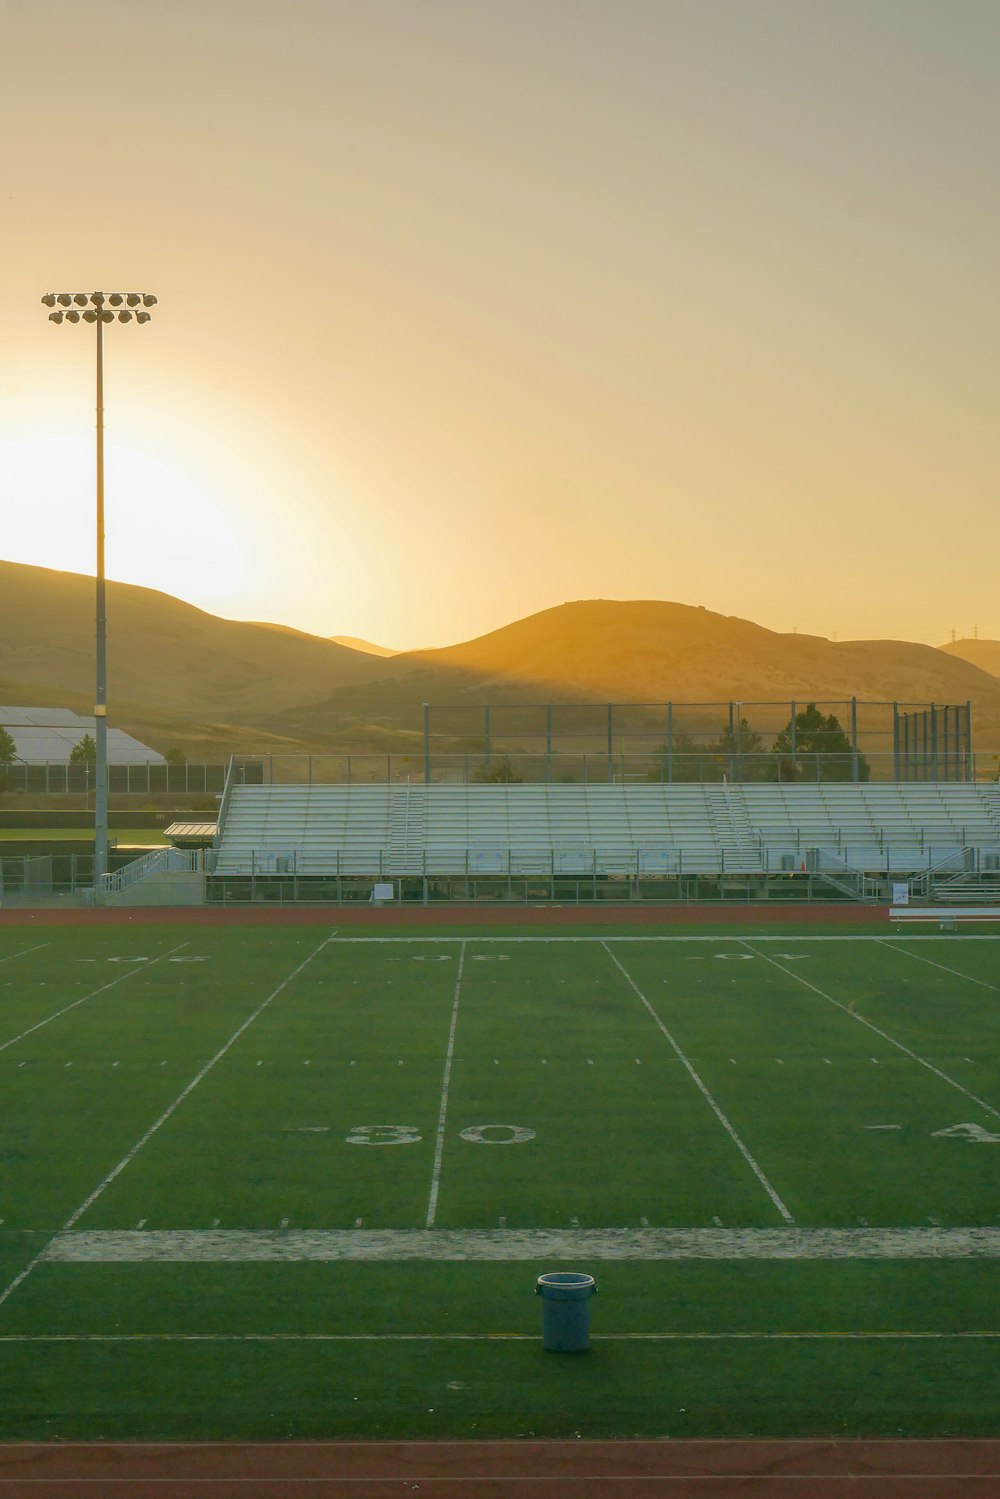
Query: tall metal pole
(101, 693)
(98, 307)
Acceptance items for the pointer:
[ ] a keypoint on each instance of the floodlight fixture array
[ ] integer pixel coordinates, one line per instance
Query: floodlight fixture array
(127, 305)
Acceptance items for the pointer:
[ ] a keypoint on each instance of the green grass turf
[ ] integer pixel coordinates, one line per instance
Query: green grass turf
(104, 1030)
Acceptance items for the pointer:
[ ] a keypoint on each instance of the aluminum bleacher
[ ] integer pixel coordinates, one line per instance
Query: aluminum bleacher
(382, 830)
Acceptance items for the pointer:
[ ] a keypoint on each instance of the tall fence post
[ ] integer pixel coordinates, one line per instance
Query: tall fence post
(427, 744)
(670, 742)
(855, 762)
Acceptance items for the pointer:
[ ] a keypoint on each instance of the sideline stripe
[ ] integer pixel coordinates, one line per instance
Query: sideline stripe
(23, 952)
(188, 1246)
(445, 1082)
(758, 1173)
(884, 942)
(473, 1337)
(171, 1109)
(718, 937)
(129, 973)
(794, 974)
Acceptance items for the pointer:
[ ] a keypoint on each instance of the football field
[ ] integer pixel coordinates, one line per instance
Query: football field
(269, 1182)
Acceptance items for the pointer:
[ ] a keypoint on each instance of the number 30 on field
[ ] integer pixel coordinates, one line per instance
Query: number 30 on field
(407, 1134)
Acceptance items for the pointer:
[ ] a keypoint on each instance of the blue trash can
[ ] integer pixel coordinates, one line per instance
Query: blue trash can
(565, 1310)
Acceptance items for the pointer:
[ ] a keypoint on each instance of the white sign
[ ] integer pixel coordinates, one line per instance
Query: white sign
(900, 893)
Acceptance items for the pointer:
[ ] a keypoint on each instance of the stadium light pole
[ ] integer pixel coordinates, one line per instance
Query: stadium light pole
(99, 308)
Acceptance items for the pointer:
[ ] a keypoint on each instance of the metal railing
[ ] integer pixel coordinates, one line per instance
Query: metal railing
(159, 861)
(590, 769)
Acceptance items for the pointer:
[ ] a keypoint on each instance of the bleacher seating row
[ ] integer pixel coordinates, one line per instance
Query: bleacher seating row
(392, 831)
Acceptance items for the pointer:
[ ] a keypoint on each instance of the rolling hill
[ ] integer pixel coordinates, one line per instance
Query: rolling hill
(178, 675)
(174, 672)
(601, 650)
(982, 653)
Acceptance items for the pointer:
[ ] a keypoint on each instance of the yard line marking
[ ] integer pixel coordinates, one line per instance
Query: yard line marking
(883, 942)
(788, 937)
(899, 1045)
(24, 951)
(236, 1246)
(471, 1337)
(171, 1109)
(445, 1083)
(128, 974)
(758, 1173)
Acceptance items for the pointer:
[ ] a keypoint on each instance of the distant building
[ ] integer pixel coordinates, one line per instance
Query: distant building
(49, 735)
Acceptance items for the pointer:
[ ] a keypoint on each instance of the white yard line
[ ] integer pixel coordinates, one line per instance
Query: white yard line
(559, 1245)
(737, 1141)
(885, 942)
(906, 1050)
(473, 1337)
(445, 1083)
(718, 937)
(129, 973)
(170, 1110)
(24, 952)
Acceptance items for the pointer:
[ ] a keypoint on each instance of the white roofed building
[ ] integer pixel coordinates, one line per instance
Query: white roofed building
(49, 736)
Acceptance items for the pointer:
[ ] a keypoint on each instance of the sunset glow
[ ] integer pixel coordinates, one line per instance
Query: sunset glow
(466, 310)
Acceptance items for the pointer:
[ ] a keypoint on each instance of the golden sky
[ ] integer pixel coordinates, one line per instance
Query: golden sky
(469, 307)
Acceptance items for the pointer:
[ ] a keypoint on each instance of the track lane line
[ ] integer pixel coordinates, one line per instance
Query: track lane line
(167, 1113)
(899, 1045)
(696, 1079)
(445, 1084)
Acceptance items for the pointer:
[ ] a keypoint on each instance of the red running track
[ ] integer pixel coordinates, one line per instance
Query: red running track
(452, 916)
(792, 1469)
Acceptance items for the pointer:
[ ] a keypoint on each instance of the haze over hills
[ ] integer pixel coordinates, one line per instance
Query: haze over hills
(602, 650)
(367, 646)
(168, 662)
(180, 676)
(982, 653)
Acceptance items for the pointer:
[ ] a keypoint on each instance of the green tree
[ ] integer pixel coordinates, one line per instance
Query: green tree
(742, 752)
(681, 760)
(85, 752)
(816, 735)
(175, 756)
(498, 772)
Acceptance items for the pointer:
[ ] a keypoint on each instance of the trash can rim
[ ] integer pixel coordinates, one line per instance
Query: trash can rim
(565, 1285)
